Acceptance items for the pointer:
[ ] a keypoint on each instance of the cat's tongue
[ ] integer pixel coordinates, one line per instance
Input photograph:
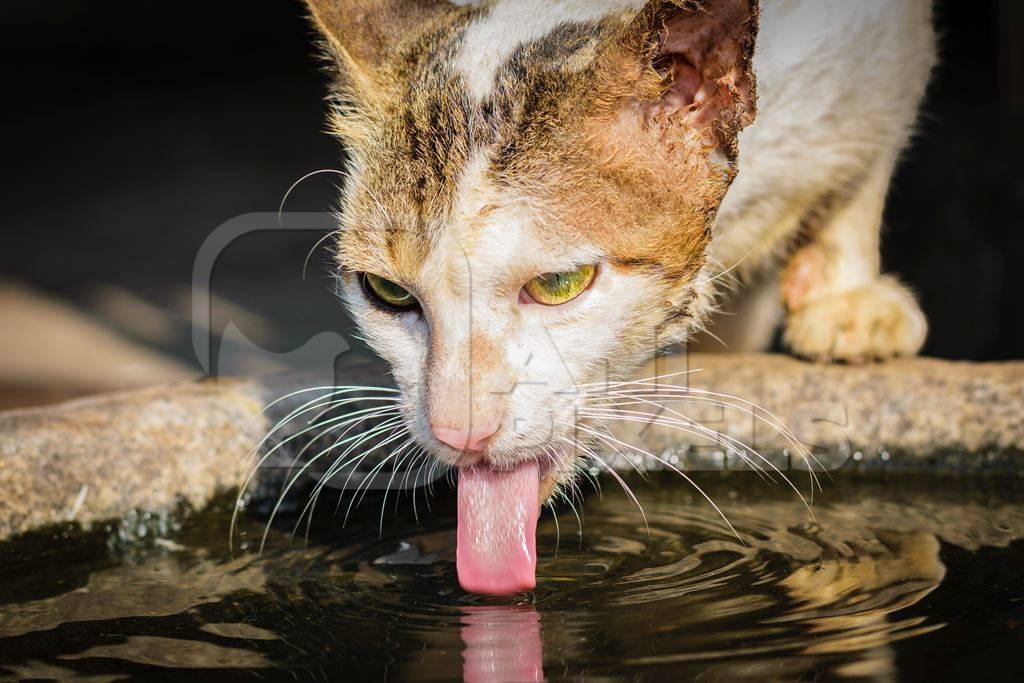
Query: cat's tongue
(496, 549)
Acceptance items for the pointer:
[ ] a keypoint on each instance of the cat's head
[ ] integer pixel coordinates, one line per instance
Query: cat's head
(532, 190)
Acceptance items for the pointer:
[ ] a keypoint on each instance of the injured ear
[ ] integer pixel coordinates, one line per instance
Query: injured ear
(695, 77)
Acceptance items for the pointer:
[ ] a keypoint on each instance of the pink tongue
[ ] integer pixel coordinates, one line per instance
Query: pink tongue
(496, 549)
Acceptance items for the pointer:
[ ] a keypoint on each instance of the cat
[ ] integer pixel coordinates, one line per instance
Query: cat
(544, 194)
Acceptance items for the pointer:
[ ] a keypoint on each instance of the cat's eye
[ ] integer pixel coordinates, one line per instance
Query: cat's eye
(554, 289)
(390, 294)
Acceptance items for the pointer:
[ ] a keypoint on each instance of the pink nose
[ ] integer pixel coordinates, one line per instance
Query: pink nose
(469, 440)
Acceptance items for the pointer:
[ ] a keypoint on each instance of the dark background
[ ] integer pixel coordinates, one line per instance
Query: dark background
(133, 129)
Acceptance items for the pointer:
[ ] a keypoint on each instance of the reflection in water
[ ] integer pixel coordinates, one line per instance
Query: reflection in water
(849, 594)
(502, 644)
(160, 586)
(175, 653)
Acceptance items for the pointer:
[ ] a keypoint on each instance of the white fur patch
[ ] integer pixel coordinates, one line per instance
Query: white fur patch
(491, 39)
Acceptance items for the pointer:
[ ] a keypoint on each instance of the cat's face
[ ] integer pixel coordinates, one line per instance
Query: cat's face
(530, 200)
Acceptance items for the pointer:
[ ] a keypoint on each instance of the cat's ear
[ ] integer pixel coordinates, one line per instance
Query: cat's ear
(366, 36)
(684, 68)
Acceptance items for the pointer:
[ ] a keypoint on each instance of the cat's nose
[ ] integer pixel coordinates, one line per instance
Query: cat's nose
(471, 440)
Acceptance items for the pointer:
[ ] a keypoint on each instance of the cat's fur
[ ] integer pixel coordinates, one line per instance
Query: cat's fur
(492, 142)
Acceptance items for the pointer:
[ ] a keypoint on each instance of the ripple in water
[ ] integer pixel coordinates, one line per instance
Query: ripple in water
(874, 587)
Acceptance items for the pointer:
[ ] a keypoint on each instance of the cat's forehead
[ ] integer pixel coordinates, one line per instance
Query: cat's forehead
(492, 234)
(482, 102)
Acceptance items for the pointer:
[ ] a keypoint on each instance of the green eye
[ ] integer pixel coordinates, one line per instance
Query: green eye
(552, 289)
(388, 292)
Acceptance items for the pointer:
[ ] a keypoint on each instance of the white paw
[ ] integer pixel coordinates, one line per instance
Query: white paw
(877, 321)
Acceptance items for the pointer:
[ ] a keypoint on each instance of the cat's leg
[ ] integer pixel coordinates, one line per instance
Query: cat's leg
(839, 305)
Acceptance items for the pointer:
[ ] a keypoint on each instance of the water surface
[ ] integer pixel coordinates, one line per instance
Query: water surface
(888, 581)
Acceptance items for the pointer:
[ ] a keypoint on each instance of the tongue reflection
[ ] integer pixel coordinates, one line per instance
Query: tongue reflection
(496, 549)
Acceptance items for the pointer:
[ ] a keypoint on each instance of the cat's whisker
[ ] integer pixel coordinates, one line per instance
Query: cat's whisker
(687, 420)
(558, 528)
(369, 477)
(673, 392)
(355, 462)
(548, 452)
(360, 338)
(348, 427)
(694, 429)
(560, 492)
(739, 403)
(432, 477)
(349, 422)
(639, 470)
(280, 500)
(337, 403)
(318, 402)
(417, 454)
(334, 389)
(714, 336)
(263, 459)
(291, 188)
(573, 485)
(576, 443)
(739, 445)
(397, 429)
(309, 254)
(724, 272)
(419, 469)
(373, 472)
(413, 458)
(588, 386)
(394, 471)
(354, 416)
(552, 455)
(592, 479)
(364, 486)
(349, 178)
(608, 438)
(315, 404)
(356, 440)
(572, 506)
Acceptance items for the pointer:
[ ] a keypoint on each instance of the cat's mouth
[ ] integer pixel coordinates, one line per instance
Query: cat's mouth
(496, 549)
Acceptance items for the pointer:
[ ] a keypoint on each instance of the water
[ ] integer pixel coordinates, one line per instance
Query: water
(891, 581)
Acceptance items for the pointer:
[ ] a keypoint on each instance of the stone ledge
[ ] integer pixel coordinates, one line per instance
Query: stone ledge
(98, 458)
(917, 414)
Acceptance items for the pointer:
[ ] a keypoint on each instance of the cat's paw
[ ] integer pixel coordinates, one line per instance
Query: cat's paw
(877, 321)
